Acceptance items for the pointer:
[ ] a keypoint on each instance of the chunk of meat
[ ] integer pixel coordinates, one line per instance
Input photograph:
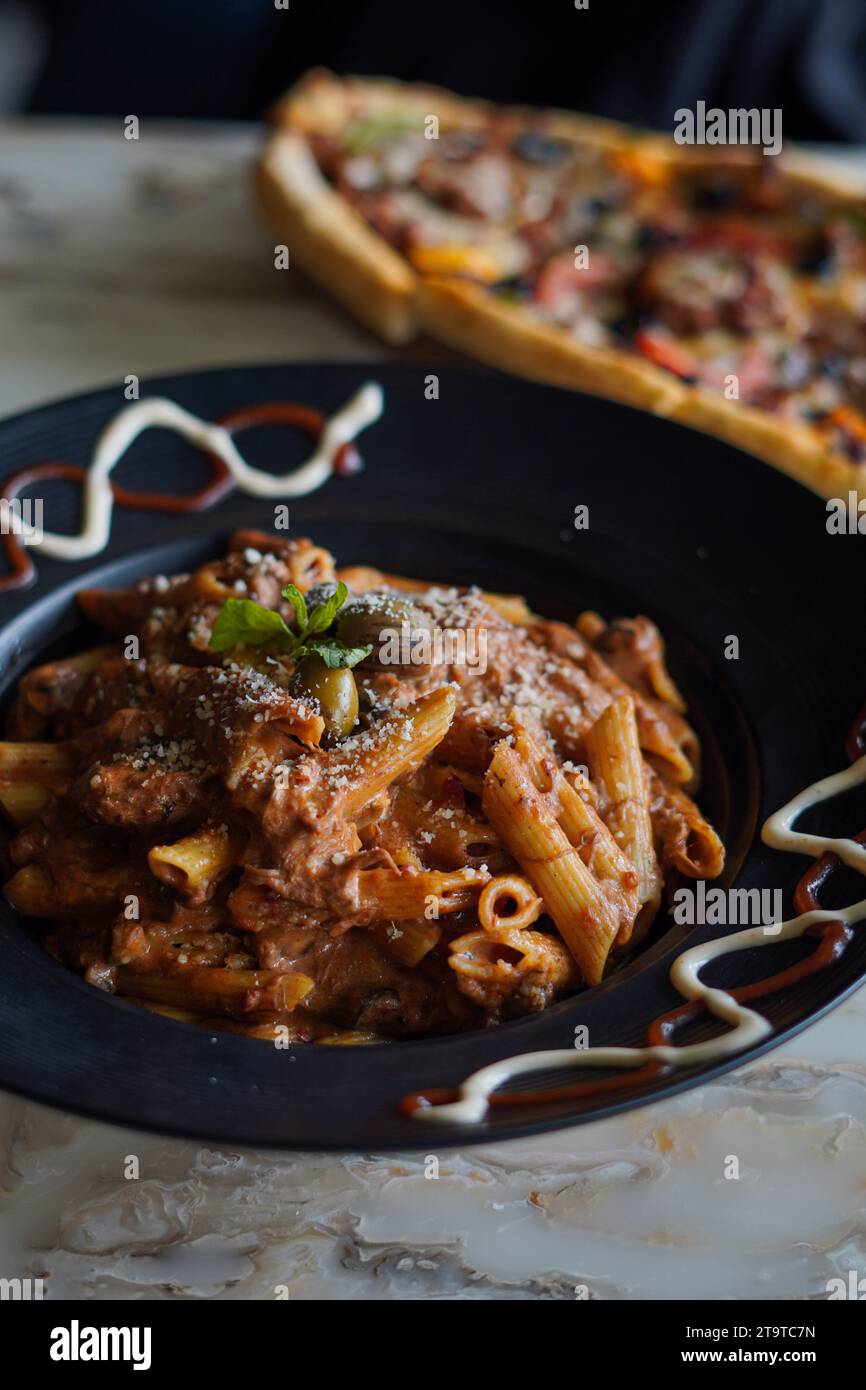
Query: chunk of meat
(148, 798)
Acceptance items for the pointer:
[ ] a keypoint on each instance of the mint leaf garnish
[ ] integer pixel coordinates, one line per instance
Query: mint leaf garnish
(298, 602)
(243, 623)
(335, 653)
(324, 614)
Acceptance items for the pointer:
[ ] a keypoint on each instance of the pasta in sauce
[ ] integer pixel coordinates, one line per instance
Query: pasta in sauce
(392, 850)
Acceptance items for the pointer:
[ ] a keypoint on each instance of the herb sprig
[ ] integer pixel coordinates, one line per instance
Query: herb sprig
(241, 622)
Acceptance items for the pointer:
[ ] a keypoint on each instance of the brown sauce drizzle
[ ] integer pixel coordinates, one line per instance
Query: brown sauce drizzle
(21, 571)
(832, 938)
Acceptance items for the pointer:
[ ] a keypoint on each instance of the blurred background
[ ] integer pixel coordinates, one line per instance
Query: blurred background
(637, 60)
(151, 255)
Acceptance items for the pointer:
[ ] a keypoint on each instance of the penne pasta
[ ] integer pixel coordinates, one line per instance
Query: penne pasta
(37, 893)
(406, 894)
(587, 916)
(495, 969)
(352, 1037)
(194, 864)
(366, 766)
(407, 942)
(617, 767)
(246, 994)
(361, 578)
(30, 891)
(49, 764)
(24, 801)
(508, 902)
(687, 841)
(209, 588)
(657, 737)
(578, 816)
(267, 1032)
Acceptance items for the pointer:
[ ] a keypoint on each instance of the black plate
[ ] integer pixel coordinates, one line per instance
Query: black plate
(477, 486)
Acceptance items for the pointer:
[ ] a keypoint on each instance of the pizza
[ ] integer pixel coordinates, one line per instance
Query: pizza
(716, 286)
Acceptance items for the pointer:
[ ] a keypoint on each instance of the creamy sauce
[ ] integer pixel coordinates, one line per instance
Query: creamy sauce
(364, 408)
(747, 1026)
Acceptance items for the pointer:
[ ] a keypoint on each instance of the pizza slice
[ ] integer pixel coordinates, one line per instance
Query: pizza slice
(718, 287)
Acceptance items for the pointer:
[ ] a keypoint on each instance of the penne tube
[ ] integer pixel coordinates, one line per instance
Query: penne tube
(366, 764)
(587, 913)
(49, 764)
(632, 649)
(352, 1037)
(687, 842)
(490, 969)
(512, 607)
(406, 857)
(466, 747)
(662, 684)
(404, 895)
(307, 564)
(277, 1030)
(23, 801)
(246, 536)
(243, 994)
(578, 815)
(617, 767)
(34, 892)
(266, 1032)
(194, 864)
(30, 891)
(407, 942)
(508, 901)
(169, 1011)
(207, 586)
(361, 578)
(654, 731)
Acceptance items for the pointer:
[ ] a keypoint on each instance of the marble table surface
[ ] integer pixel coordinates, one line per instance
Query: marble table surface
(120, 256)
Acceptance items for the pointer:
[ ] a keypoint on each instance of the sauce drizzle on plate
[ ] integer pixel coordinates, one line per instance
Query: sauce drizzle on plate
(334, 453)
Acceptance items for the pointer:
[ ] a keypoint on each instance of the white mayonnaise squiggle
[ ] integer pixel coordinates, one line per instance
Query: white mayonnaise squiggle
(362, 410)
(747, 1026)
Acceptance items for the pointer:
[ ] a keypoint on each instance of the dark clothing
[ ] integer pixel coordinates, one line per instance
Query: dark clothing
(638, 60)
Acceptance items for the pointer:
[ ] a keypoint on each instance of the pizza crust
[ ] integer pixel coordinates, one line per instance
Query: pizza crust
(321, 103)
(464, 316)
(338, 249)
(328, 239)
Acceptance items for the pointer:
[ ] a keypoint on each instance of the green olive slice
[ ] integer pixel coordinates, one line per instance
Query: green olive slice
(392, 626)
(334, 690)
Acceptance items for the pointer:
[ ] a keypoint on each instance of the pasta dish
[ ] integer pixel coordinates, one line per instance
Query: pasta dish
(305, 803)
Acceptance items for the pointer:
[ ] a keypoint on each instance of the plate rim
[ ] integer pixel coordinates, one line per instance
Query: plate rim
(50, 592)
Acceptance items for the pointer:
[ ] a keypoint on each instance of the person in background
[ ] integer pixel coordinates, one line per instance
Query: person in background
(636, 60)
